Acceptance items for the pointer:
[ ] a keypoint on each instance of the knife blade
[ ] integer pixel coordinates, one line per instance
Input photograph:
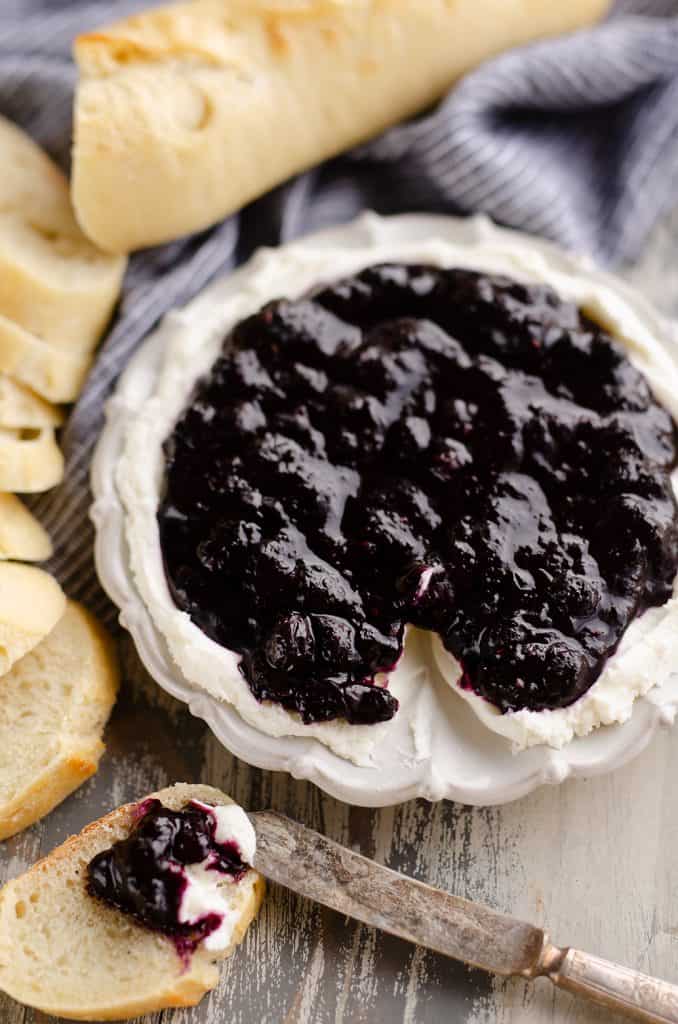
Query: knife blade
(324, 871)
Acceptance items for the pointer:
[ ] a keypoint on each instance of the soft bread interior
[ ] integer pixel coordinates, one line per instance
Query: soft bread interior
(31, 604)
(30, 460)
(71, 955)
(53, 281)
(21, 408)
(55, 373)
(21, 535)
(54, 705)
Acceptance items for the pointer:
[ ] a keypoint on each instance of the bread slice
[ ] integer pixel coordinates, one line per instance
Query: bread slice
(71, 955)
(21, 535)
(30, 460)
(31, 604)
(186, 112)
(55, 373)
(54, 704)
(53, 282)
(20, 407)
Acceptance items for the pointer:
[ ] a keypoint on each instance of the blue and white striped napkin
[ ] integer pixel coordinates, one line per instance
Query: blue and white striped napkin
(574, 138)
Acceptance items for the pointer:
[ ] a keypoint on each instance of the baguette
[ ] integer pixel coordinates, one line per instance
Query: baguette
(54, 373)
(21, 408)
(21, 535)
(55, 704)
(53, 282)
(185, 113)
(68, 954)
(30, 460)
(31, 604)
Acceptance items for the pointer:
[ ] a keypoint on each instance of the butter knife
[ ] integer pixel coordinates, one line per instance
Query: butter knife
(315, 867)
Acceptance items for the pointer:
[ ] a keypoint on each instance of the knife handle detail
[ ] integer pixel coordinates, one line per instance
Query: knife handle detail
(618, 988)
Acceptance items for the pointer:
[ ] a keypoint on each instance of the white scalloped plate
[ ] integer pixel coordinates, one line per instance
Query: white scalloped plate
(436, 747)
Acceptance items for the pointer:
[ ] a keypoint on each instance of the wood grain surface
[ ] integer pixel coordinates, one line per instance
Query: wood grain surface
(594, 859)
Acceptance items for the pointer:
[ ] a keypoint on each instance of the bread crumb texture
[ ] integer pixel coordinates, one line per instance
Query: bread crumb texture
(69, 954)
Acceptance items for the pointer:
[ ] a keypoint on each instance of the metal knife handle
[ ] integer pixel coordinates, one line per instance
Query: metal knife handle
(618, 988)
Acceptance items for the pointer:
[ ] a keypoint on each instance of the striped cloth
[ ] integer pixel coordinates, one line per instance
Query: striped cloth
(575, 139)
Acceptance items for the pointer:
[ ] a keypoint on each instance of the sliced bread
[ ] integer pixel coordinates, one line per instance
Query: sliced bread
(21, 535)
(53, 281)
(53, 372)
(30, 460)
(67, 953)
(55, 703)
(20, 407)
(31, 604)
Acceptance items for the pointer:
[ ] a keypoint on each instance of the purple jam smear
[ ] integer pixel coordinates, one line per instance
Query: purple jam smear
(414, 445)
(144, 875)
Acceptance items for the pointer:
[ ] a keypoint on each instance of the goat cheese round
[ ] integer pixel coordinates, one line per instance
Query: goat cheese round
(192, 342)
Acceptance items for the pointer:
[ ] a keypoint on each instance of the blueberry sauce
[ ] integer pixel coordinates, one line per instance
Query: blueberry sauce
(415, 445)
(144, 875)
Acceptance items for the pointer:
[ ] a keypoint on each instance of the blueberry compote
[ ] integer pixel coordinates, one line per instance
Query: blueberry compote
(414, 445)
(144, 875)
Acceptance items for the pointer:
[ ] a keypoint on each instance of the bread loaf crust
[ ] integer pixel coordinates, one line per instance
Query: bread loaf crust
(185, 113)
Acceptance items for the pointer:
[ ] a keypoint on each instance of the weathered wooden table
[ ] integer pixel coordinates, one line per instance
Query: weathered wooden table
(597, 860)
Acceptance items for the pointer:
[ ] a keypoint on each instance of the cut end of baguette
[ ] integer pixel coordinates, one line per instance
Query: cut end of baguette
(68, 954)
(22, 537)
(54, 705)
